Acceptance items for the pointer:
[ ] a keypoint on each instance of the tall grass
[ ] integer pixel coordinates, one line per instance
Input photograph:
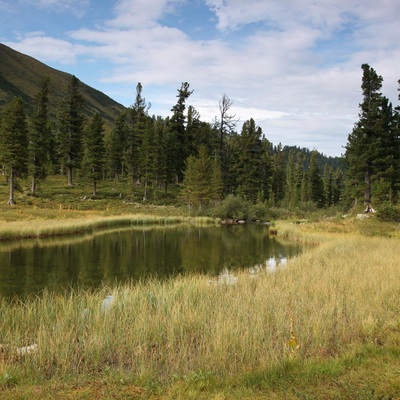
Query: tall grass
(49, 228)
(343, 293)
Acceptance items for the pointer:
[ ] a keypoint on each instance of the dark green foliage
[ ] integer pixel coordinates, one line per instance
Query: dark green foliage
(364, 143)
(253, 163)
(14, 143)
(215, 161)
(116, 145)
(315, 183)
(137, 124)
(94, 159)
(200, 184)
(180, 145)
(278, 175)
(233, 208)
(70, 128)
(40, 136)
(389, 213)
(148, 156)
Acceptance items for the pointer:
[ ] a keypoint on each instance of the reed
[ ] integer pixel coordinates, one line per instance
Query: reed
(51, 227)
(341, 294)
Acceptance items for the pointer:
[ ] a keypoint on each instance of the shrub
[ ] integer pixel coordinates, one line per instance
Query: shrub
(389, 213)
(232, 207)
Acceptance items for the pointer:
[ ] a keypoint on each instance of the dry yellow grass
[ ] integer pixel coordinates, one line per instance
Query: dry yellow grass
(343, 292)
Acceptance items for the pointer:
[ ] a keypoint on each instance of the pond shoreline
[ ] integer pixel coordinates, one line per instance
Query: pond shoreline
(45, 228)
(319, 328)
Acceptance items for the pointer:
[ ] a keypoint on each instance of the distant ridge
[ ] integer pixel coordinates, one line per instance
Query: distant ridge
(21, 75)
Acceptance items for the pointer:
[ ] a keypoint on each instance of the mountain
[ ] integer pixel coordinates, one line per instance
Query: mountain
(21, 75)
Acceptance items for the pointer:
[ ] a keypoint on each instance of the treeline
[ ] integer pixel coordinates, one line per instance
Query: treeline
(373, 147)
(201, 163)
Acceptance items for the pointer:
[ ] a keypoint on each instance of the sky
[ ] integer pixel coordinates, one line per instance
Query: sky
(294, 66)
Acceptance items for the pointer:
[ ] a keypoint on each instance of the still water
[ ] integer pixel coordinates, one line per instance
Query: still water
(90, 261)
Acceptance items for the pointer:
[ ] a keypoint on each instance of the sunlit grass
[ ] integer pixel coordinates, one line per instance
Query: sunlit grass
(342, 295)
(60, 227)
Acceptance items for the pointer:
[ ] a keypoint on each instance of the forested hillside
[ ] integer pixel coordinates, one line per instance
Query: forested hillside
(194, 162)
(21, 75)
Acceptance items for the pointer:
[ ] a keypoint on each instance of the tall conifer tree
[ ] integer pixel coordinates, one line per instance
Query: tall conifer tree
(94, 159)
(364, 143)
(14, 144)
(70, 128)
(39, 137)
(179, 142)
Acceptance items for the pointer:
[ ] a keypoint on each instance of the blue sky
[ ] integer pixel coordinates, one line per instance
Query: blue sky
(292, 65)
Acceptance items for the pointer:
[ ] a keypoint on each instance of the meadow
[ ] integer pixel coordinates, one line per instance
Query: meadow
(326, 326)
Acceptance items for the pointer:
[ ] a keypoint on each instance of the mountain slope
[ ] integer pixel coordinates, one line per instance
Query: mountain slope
(21, 75)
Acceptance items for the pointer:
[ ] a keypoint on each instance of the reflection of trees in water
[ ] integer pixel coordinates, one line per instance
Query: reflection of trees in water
(136, 254)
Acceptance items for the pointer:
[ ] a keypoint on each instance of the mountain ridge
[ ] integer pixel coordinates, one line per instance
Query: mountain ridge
(22, 75)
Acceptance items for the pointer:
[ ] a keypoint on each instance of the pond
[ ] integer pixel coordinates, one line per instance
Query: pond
(107, 257)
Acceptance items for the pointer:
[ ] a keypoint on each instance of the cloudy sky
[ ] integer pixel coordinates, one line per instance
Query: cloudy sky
(292, 65)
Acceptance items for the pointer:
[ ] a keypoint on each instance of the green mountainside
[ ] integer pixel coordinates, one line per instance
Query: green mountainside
(21, 75)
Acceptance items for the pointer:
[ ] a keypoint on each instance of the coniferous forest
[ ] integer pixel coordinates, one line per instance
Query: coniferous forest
(196, 163)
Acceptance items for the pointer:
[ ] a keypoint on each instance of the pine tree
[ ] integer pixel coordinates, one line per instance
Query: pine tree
(39, 137)
(179, 142)
(315, 182)
(161, 137)
(94, 159)
(14, 144)
(70, 128)
(386, 165)
(116, 145)
(295, 179)
(148, 156)
(278, 174)
(197, 187)
(138, 115)
(363, 145)
(249, 164)
(217, 185)
(225, 127)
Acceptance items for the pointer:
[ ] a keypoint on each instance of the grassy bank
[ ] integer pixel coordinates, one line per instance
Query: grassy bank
(326, 326)
(40, 228)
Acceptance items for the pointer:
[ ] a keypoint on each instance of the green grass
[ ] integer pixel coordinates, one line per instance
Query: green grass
(61, 210)
(326, 326)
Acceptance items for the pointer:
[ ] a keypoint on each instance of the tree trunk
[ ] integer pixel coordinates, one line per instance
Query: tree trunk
(69, 175)
(94, 188)
(145, 188)
(33, 186)
(367, 190)
(11, 201)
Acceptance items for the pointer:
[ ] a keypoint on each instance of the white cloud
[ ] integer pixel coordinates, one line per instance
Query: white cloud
(292, 65)
(47, 49)
(138, 13)
(77, 7)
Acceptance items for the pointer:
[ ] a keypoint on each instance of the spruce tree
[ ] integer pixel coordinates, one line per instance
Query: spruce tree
(70, 128)
(278, 175)
(14, 144)
(179, 145)
(315, 182)
(116, 145)
(161, 137)
(197, 187)
(137, 119)
(250, 163)
(148, 156)
(94, 159)
(39, 137)
(363, 145)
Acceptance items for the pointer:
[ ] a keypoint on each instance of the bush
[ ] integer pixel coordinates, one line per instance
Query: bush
(389, 213)
(232, 207)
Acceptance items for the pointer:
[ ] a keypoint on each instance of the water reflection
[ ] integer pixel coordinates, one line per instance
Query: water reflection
(125, 254)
